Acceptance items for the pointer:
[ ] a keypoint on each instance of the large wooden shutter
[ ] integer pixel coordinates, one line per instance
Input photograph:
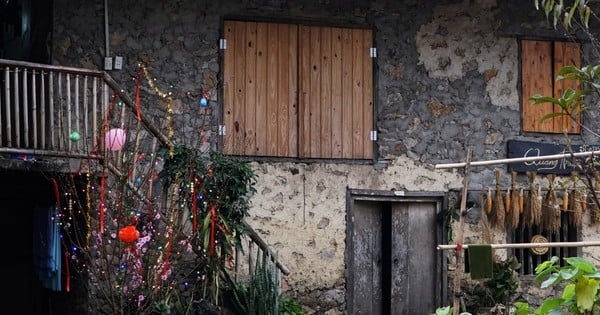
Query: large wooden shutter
(336, 94)
(541, 61)
(260, 89)
(297, 91)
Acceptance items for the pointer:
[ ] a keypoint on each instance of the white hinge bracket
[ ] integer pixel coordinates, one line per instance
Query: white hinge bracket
(222, 130)
(222, 43)
(373, 135)
(373, 52)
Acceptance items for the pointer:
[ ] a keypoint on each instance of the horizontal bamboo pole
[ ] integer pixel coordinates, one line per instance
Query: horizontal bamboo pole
(517, 160)
(527, 245)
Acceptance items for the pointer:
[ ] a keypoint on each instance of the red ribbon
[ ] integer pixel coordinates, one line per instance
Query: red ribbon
(194, 206)
(102, 204)
(138, 105)
(68, 269)
(166, 265)
(213, 221)
(56, 193)
(141, 156)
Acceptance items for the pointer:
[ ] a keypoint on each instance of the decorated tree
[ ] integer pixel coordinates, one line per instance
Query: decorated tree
(152, 226)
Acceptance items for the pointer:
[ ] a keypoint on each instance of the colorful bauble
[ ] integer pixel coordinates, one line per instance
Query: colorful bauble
(74, 136)
(129, 234)
(115, 139)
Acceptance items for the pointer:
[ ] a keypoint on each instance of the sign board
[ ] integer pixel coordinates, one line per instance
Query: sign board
(562, 166)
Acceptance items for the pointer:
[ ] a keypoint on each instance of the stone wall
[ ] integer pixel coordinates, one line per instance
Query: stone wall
(447, 78)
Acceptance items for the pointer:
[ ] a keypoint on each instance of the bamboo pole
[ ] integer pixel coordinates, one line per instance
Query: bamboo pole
(459, 236)
(517, 160)
(528, 245)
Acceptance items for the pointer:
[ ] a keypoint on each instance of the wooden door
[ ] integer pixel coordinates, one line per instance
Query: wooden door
(393, 265)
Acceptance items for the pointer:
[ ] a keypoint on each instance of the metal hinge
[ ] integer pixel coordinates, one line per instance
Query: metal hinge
(373, 52)
(222, 130)
(222, 43)
(373, 135)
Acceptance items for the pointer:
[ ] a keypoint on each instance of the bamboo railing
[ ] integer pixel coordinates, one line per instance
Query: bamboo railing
(43, 108)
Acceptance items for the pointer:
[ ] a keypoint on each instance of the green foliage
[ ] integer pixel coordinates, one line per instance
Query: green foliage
(565, 13)
(447, 310)
(580, 281)
(290, 306)
(260, 294)
(496, 290)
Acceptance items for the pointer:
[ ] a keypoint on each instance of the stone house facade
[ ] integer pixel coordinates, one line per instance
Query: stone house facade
(446, 76)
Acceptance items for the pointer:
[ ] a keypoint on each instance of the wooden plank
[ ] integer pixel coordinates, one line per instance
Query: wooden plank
(261, 88)
(229, 87)
(400, 242)
(325, 92)
(336, 93)
(251, 128)
(565, 54)
(239, 79)
(34, 108)
(347, 114)
(292, 104)
(314, 92)
(303, 98)
(272, 97)
(366, 265)
(536, 78)
(283, 90)
(358, 141)
(421, 254)
(42, 110)
(367, 101)
(25, 104)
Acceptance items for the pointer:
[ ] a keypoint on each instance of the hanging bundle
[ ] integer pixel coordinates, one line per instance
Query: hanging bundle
(550, 208)
(533, 205)
(498, 204)
(515, 212)
(575, 216)
(593, 205)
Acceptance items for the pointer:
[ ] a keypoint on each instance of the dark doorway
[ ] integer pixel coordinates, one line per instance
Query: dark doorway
(393, 266)
(22, 193)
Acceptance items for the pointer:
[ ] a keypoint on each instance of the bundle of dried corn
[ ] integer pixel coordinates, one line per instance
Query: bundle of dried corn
(513, 208)
(533, 205)
(498, 204)
(550, 208)
(575, 215)
(486, 199)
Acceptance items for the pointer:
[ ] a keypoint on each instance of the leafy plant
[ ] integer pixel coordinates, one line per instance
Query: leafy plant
(289, 306)
(496, 290)
(580, 278)
(260, 294)
(447, 310)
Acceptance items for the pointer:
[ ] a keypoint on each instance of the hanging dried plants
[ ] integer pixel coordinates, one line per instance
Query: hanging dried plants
(575, 215)
(550, 208)
(533, 205)
(514, 212)
(498, 211)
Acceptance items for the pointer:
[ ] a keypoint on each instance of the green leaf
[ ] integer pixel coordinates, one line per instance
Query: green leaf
(581, 263)
(586, 290)
(550, 304)
(552, 279)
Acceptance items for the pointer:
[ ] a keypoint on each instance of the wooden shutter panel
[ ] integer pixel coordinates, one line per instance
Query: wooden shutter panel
(260, 89)
(565, 54)
(536, 78)
(541, 62)
(336, 98)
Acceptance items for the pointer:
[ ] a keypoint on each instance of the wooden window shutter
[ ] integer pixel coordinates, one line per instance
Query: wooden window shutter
(565, 54)
(336, 94)
(260, 71)
(541, 61)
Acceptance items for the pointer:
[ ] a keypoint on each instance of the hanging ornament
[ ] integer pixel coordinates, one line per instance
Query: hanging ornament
(138, 182)
(203, 102)
(129, 234)
(115, 139)
(74, 136)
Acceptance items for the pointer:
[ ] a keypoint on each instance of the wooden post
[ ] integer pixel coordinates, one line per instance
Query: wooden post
(458, 274)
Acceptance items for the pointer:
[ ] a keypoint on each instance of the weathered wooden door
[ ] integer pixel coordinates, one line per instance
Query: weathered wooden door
(393, 265)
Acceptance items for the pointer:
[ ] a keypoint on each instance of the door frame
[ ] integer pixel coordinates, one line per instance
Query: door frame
(399, 196)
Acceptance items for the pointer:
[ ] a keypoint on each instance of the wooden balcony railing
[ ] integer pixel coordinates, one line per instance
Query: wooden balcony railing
(51, 111)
